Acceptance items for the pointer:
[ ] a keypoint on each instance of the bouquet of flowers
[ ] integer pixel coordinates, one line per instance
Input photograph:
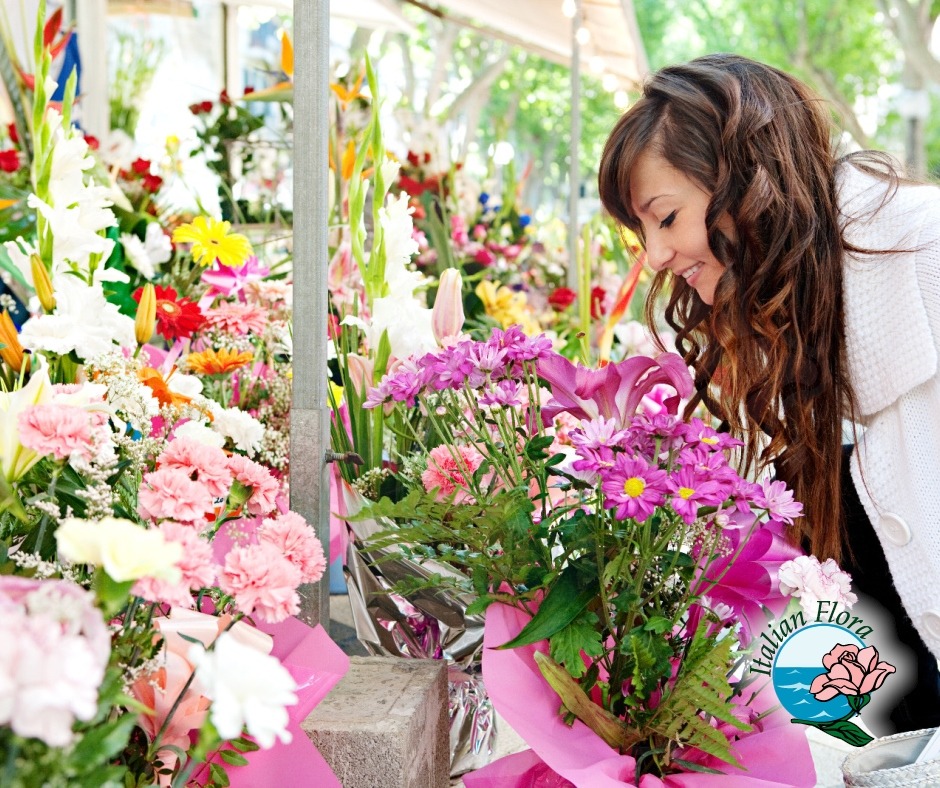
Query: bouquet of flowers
(149, 566)
(621, 560)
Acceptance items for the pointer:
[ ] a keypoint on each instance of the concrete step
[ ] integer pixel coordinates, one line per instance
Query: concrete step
(385, 724)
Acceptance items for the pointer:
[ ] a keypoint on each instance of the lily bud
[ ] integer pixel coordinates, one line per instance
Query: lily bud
(361, 370)
(42, 283)
(447, 316)
(12, 350)
(146, 318)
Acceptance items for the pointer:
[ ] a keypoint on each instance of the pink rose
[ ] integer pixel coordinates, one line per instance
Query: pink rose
(851, 672)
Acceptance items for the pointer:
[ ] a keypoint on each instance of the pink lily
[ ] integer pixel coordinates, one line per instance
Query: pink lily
(223, 280)
(614, 391)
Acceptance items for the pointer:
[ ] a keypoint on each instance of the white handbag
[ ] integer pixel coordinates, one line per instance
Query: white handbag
(890, 762)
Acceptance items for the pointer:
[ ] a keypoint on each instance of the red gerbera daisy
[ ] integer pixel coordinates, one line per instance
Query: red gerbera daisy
(176, 317)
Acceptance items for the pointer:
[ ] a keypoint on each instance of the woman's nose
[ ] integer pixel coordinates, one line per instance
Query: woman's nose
(658, 252)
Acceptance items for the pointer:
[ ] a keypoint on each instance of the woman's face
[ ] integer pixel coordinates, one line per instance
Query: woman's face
(671, 208)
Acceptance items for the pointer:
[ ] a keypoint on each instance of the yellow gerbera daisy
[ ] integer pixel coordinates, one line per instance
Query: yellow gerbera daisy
(506, 306)
(218, 362)
(212, 241)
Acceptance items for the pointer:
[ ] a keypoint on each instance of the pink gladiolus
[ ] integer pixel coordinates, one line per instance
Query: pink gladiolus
(851, 671)
(615, 391)
(447, 316)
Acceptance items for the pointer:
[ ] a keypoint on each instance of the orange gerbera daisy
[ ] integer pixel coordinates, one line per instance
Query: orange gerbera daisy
(153, 380)
(218, 362)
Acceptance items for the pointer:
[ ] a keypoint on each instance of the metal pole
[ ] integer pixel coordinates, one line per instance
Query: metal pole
(574, 174)
(310, 417)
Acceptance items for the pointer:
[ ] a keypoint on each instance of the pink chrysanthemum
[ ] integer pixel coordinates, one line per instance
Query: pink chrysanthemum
(60, 430)
(262, 581)
(690, 490)
(208, 463)
(449, 468)
(264, 487)
(169, 493)
(237, 318)
(633, 487)
(197, 569)
(778, 500)
(297, 542)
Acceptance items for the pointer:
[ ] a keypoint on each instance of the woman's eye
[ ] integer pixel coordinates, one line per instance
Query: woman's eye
(667, 221)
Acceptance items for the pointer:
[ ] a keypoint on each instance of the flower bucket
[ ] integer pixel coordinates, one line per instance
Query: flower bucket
(890, 762)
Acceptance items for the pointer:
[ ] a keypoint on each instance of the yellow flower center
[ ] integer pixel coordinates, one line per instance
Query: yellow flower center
(634, 487)
(686, 492)
(710, 441)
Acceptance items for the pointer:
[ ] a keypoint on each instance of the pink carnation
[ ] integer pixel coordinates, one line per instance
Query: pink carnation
(170, 493)
(264, 487)
(262, 581)
(449, 468)
(297, 542)
(208, 463)
(237, 318)
(60, 430)
(197, 569)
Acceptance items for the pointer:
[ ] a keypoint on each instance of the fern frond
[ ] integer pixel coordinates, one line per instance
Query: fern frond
(702, 688)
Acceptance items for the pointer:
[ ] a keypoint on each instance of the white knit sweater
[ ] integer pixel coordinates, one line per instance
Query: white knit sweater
(892, 323)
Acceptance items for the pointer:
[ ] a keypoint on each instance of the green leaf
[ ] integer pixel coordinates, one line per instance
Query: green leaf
(650, 655)
(580, 635)
(689, 766)
(219, 775)
(101, 743)
(658, 624)
(535, 447)
(847, 731)
(245, 745)
(562, 604)
(478, 605)
(233, 758)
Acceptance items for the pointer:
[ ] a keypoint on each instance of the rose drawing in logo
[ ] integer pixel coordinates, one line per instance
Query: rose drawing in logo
(851, 672)
(854, 673)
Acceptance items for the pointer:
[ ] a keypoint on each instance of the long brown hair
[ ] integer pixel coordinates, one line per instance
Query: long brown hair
(769, 354)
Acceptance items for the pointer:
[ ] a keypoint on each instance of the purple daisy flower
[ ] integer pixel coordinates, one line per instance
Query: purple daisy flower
(776, 498)
(690, 490)
(633, 487)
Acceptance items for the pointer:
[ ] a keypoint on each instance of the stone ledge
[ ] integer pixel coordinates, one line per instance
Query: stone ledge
(385, 724)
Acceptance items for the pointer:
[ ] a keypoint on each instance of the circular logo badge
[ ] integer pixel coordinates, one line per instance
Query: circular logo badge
(799, 662)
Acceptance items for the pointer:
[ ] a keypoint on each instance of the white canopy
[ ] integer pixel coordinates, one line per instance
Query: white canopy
(613, 45)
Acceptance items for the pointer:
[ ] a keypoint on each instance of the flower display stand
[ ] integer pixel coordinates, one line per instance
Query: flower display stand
(386, 723)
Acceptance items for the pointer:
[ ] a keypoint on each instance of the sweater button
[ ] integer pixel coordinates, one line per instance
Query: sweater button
(895, 529)
(931, 622)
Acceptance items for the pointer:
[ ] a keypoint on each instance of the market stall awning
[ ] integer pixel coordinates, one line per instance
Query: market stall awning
(611, 46)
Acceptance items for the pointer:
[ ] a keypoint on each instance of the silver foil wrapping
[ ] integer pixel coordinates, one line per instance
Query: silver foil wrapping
(429, 624)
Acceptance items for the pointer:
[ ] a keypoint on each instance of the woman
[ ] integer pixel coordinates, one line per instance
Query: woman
(805, 292)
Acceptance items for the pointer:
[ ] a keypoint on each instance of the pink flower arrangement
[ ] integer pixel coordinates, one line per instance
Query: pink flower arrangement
(53, 654)
(197, 568)
(237, 318)
(170, 493)
(297, 542)
(449, 470)
(205, 464)
(262, 581)
(263, 487)
(805, 578)
(63, 431)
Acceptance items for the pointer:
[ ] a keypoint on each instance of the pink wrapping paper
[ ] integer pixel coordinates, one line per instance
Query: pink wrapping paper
(317, 664)
(775, 757)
